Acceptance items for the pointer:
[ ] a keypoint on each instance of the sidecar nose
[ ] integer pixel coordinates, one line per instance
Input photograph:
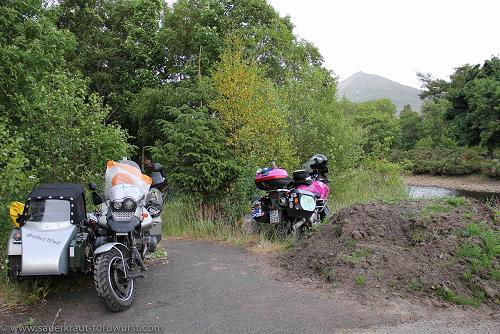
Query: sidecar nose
(46, 251)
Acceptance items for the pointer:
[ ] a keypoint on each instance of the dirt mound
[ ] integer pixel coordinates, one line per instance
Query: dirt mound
(447, 249)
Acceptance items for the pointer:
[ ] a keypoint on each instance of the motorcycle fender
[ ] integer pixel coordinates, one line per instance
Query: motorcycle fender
(107, 247)
(156, 229)
(14, 248)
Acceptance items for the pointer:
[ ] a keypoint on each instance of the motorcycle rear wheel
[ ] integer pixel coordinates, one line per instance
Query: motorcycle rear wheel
(113, 289)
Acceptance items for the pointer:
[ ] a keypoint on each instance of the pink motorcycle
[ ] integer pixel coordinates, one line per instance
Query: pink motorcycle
(296, 204)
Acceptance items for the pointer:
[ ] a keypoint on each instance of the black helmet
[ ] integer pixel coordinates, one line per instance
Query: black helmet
(319, 159)
(319, 162)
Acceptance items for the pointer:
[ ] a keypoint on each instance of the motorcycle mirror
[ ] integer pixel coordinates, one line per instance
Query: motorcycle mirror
(92, 186)
(97, 198)
(157, 167)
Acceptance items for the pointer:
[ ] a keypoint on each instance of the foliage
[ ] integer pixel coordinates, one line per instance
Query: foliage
(194, 154)
(451, 296)
(313, 109)
(30, 47)
(15, 181)
(411, 127)
(434, 132)
(249, 111)
(360, 280)
(116, 47)
(62, 122)
(481, 249)
(447, 161)
(474, 96)
(378, 119)
(184, 219)
(374, 179)
(193, 37)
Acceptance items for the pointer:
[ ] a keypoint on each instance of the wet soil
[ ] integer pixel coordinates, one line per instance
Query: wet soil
(476, 183)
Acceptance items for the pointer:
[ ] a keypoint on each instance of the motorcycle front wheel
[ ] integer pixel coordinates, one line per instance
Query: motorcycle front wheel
(113, 288)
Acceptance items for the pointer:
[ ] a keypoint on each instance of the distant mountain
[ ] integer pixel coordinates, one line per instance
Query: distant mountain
(361, 87)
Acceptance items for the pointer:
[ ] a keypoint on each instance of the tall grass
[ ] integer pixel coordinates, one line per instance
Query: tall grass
(374, 180)
(185, 217)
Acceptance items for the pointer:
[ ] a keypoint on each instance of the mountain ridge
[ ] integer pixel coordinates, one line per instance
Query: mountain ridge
(362, 87)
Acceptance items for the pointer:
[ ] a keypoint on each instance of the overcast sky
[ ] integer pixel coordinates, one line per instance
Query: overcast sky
(397, 38)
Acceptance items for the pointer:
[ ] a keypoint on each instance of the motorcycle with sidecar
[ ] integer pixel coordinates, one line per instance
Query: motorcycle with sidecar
(56, 236)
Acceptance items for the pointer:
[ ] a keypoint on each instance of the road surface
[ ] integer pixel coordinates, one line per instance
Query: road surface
(208, 287)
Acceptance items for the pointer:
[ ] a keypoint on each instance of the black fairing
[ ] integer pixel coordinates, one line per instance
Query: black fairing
(123, 226)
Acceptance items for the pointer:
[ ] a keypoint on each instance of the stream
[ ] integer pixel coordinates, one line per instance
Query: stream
(436, 192)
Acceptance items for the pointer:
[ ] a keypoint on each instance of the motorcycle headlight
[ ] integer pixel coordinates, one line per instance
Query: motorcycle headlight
(307, 203)
(128, 204)
(117, 205)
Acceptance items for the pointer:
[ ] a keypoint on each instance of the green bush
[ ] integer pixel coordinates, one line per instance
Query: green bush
(375, 179)
(491, 168)
(447, 161)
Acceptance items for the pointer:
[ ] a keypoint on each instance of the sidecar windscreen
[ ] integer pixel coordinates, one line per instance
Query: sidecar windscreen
(49, 210)
(56, 202)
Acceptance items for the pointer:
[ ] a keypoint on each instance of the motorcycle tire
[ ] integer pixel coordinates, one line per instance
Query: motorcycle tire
(14, 268)
(113, 289)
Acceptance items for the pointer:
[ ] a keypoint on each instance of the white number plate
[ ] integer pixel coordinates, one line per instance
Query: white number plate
(274, 216)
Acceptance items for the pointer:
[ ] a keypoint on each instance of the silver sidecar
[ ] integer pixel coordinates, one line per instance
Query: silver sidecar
(41, 246)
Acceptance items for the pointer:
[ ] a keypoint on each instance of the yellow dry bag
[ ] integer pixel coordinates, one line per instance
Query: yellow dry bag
(15, 210)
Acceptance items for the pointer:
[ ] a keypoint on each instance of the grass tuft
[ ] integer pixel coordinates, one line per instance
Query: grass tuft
(453, 297)
(360, 280)
(358, 256)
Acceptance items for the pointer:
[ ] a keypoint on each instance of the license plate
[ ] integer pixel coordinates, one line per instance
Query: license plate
(257, 212)
(274, 216)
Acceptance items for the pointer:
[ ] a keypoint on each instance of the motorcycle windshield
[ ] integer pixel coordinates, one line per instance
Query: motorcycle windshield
(124, 180)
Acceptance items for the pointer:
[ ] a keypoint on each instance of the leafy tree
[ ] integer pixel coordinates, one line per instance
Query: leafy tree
(411, 127)
(30, 47)
(195, 155)
(117, 48)
(193, 37)
(15, 180)
(151, 106)
(248, 108)
(378, 119)
(65, 136)
(473, 93)
(317, 122)
(435, 129)
(483, 115)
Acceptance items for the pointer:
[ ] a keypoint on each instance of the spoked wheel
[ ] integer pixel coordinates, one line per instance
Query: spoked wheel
(115, 290)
